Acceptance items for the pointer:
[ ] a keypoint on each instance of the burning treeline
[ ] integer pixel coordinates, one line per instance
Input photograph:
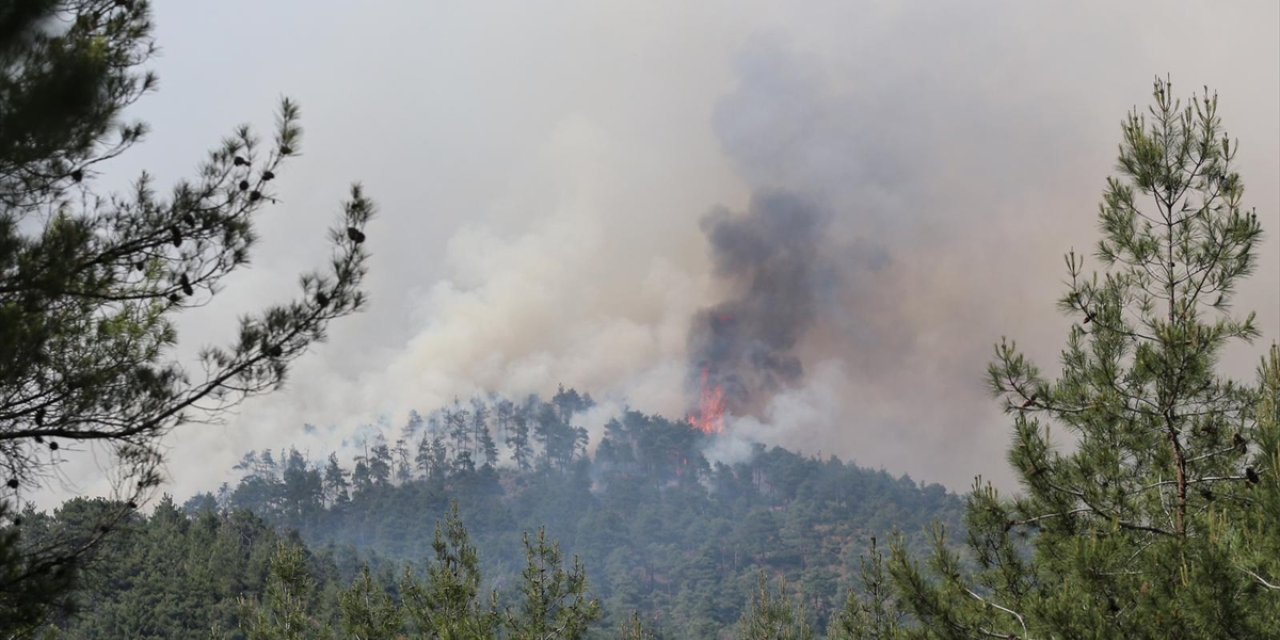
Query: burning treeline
(742, 350)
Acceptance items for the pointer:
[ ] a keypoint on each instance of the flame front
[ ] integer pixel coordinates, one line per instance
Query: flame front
(710, 416)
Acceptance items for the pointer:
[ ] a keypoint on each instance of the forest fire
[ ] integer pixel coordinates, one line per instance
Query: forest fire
(710, 416)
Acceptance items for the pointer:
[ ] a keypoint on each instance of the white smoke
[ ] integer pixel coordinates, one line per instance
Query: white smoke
(541, 184)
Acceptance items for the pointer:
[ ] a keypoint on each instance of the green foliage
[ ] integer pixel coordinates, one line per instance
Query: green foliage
(171, 575)
(1253, 534)
(554, 603)
(62, 90)
(773, 616)
(368, 613)
(660, 530)
(285, 610)
(448, 606)
(871, 614)
(90, 283)
(201, 570)
(635, 629)
(230, 576)
(1142, 519)
(42, 557)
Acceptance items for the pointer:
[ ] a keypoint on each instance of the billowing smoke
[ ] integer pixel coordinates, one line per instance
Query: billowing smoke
(899, 187)
(805, 269)
(772, 259)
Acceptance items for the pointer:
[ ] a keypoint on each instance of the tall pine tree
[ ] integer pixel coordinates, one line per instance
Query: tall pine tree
(90, 282)
(1146, 475)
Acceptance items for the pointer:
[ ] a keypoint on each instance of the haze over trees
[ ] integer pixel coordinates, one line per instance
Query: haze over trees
(661, 530)
(1150, 482)
(664, 543)
(91, 282)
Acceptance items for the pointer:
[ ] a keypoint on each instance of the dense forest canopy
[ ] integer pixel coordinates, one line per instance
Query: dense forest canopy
(662, 534)
(660, 530)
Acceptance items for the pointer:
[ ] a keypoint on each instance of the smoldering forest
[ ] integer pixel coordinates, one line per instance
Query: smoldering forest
(872, 212)
(668, 305)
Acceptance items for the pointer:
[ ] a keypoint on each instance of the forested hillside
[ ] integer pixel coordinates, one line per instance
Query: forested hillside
(659, 530)
(800, 222)
(231, 575)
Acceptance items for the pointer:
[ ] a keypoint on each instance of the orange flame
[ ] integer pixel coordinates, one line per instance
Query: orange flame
(710, 416)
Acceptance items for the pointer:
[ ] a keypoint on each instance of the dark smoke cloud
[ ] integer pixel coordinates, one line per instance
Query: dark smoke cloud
(942, 203)
(771, 257)
(800, 257)
(540, 188)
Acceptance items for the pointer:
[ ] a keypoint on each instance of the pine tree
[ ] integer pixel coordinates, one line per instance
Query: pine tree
(90, 283)
(413, 426)
(302, 491)
(773, 616)
(248, 463)
(266, 468)
(403, 468)
(439, 459)
(872, 613)
(635, 629)
(361, 480)
(488, 448)
(422, 460)
(479, 425)
(285, 611)
(1138, 519)
(558, 439)
(518, 438)
(380, 461)
(368, 613)
(456, 425)
(448, 605)
(555, 602)
(503, 413)
(335, 482)
(1256, 535)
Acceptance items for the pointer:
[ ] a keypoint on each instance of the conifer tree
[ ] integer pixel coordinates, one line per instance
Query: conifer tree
(773, 616)
(479, 425)
(1146, 475)
(368, 613)
(555, 602)
(518, 438)
(1256, 534)
(449, 604)
(284, 612)
(380, 461)
(635, 629)
(439, 458)
(489, 448)
(361, 480)
(503, 412)
(91, 282)
(870, 613)
(403, 468)
(335, 482)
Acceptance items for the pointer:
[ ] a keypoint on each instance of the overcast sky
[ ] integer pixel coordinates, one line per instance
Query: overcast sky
(541, 170)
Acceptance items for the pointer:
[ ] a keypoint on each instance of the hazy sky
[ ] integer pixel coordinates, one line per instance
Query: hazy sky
(542, 168)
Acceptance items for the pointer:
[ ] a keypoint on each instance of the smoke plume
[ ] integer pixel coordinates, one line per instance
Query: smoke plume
(899, 184)
(772, 259)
